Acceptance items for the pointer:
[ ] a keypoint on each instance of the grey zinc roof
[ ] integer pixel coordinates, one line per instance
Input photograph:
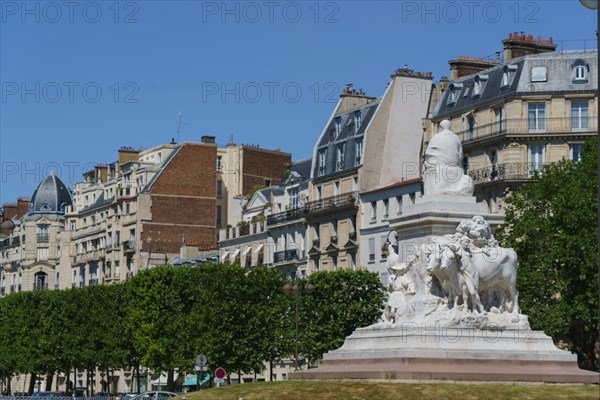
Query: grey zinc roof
(329, 141)
(100, 202)
(302, 167)
(559, 73)
(50, 197)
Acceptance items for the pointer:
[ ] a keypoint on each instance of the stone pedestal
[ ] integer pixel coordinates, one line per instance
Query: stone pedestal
(411, 352)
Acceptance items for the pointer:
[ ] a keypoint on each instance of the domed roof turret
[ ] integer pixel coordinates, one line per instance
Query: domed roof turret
(50, 197)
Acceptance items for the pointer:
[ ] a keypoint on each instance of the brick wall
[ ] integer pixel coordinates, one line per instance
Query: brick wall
(259, 165)
(183, 200)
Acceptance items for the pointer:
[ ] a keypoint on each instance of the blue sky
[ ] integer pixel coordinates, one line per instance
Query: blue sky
(81, 79)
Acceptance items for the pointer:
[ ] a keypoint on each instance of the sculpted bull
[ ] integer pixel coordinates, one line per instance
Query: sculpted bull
(463, 271)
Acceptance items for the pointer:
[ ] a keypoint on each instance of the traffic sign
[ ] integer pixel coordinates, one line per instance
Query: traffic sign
(220, 373)
(201, 360)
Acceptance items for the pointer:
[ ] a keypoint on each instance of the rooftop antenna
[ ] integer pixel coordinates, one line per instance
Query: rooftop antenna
(179, 127)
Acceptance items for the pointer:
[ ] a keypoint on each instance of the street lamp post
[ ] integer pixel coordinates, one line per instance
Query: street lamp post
(296, 289)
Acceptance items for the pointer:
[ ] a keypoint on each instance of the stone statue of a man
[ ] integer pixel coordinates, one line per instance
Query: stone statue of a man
(443, 173)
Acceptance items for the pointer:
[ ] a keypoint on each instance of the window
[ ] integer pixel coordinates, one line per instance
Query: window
(359, 152)
(575, 152)
(504, 78)
(319, 193)
(579, 72)
(127, 209)
(399, 205)
(219, 163)
(117, 238)
(471, 127)
(267, 182)
(73, 224)
(476, 88)
(537, 117)
(339, 165)
(499, 119)
(371, 249)
(219, 188)
(294, 195)
(373, 211)
(539, 74)
(218, 215)
(336, 188)
(386, 208)
(536, 155)
(42, 232)
(508, 75)
(454, 91)
(493, 156)
(322, 159)
(579, 115)
(334, 229)
(338, 125)
(357, 120)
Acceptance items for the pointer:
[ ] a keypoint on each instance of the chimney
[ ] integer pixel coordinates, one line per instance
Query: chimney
(10, 210)
(405, 71)
(351, 98)
(519, 45)
(444, 83)
(208, 139)
(127, 154)
(22, 206)
(464, 66)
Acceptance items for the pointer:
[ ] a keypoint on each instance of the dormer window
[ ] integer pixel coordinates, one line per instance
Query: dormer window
(508, 74)
(454, 90)
(338, 125)
(479, 85)
(357, 120)
(580, 70)
(358, 152)
(539, 74)
(321, 162)
(339, 165)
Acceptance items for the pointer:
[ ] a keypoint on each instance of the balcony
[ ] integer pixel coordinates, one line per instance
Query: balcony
(42, 237)
(40, 286)
(129, 247)
(523, 126)
(334, 203)
(93, 282)
(286, 255)
(508, 171)
(286, 216)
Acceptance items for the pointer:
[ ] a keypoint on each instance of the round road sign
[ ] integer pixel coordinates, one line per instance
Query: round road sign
(220, 373)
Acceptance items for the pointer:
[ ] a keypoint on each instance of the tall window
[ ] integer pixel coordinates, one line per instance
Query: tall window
(359, 152)
(499, 119)
(294, 194)
(371, 249)
(219, 163)
(218, 215)
(338, 125)
(537, 117)
(504, 78)
(373, 211)
(579, 115)
(42, 232)
(471, 127)
(322, 159)
(476, 87)
(339, 165)
(386, 208)
(117, 238)
(219, 188)
(357, 120)
(73, 224)
(575, 150)
(536, 157)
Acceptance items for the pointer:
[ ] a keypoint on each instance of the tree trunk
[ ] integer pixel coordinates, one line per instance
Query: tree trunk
(49, 379)
(170, 380)
(271, 371)
(137, 376)
(32, 384)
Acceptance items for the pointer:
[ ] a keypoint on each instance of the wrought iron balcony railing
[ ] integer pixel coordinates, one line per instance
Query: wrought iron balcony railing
(42, 237)
(332, 203)
(286, 216)
(527, 126)
(40, 286)
(285, 255)
(516, 171)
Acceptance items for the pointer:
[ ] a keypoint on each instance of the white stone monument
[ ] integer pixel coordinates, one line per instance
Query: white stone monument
(452, 311)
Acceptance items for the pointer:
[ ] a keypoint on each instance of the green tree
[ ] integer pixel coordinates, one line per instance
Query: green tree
(551, 222)
(341, 302)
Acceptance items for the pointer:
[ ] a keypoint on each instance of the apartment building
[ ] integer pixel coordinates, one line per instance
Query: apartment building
(514, 115)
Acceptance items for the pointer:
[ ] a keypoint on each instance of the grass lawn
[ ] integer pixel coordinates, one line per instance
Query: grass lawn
(357, 390)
